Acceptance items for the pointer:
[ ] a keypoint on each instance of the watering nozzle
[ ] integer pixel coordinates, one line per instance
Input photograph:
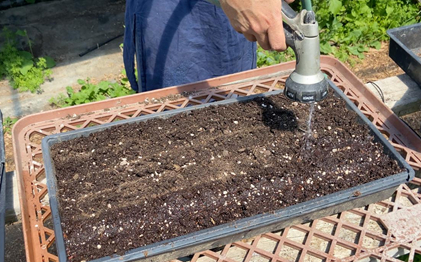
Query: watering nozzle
(306, 83)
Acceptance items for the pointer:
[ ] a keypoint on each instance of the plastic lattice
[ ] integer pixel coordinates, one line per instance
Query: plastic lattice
(354, 235)
(357, 235)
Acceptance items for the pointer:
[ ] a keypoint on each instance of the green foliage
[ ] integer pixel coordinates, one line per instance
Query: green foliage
(350, 27)
(8, 124)
(335, 6)
(91, 92)
(24, 71)
(268, 58)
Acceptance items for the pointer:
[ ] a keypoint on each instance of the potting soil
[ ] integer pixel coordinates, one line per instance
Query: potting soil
(137, 184)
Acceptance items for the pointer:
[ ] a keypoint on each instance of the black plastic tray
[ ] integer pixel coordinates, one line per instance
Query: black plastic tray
(405, 49)
(2, 190)
(244, 228)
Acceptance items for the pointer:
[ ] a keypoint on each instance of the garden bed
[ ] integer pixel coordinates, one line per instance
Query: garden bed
(414, 121)
(136, 184)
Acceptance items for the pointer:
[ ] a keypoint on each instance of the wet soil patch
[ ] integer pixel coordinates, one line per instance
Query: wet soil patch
(137, 184)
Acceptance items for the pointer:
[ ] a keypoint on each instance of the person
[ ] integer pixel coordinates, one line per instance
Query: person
(182, 41)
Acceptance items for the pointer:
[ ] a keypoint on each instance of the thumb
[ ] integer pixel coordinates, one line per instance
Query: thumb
(276, 36)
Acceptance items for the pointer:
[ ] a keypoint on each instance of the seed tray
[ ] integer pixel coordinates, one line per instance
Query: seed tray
(374, 239)
(2, 189)
(248, 227)
(405, 49)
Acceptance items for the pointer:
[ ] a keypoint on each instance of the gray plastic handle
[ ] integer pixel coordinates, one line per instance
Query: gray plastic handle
(288, 11)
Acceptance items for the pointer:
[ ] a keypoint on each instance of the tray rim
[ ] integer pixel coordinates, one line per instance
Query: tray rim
(393, 31)
(36, 249)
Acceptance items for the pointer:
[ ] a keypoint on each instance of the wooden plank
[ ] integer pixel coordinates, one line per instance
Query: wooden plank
(401, 94)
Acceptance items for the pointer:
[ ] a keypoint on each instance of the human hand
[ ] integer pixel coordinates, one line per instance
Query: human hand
(258, 20)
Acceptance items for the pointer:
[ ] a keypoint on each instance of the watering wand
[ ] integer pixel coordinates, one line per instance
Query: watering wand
(306, 83)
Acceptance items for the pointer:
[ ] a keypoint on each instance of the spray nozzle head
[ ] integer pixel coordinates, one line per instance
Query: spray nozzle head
(306, 92)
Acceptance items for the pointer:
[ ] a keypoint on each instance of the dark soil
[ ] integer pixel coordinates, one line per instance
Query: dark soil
(138, 184)
(414, 121)
(376, 65)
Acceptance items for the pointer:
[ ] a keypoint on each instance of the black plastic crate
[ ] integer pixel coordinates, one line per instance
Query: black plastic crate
(2, 190)
(405, 49)
(244, 228)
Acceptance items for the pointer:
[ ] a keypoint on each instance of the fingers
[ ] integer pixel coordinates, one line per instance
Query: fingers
(272, 39)
(263, 41)
(250, 37)
(258, 20)
(276, 36)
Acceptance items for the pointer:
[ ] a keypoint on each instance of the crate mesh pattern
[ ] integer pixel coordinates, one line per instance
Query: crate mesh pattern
(360, 234)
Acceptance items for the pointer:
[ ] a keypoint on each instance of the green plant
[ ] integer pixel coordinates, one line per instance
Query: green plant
(8, 124)
(24, 71)
(90, 92)
(125, 80)
(350, 27)
(268, 58)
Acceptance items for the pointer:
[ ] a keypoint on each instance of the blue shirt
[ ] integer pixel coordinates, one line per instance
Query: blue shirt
(181, 41)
